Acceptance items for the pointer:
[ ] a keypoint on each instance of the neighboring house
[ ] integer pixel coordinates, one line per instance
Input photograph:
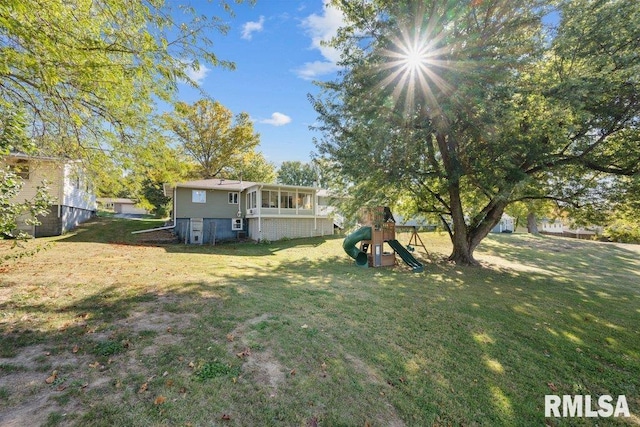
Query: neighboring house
(557, 227)
(211, 210)
(121, 205)
(552, 226)
(73, 200)
(506, 225)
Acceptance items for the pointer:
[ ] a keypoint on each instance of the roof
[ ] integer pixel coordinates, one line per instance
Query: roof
(228, 185)
(19, 155)
(116, 200)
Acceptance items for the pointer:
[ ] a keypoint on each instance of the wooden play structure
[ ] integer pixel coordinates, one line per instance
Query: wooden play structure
(377, 240)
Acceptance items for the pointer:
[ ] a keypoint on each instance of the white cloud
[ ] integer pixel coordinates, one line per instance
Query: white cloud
(277, 119)
(251, 27)
(322, 28)
(198, 75)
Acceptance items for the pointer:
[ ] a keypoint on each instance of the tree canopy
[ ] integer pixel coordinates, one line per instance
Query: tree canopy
(88, 73)
(219, 142)
(297, 173)
(467, 107)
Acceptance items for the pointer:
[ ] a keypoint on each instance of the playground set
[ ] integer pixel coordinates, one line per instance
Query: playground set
(378, 230)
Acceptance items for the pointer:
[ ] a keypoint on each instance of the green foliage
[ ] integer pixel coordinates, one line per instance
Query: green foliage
(468, 107)
(212, 136)
(297, 173)
(13, 139)
(623, 230)
(217, 369)
(253, 166)
(109, 348)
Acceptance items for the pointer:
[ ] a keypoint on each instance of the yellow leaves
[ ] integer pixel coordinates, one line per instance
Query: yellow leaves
(159, 400)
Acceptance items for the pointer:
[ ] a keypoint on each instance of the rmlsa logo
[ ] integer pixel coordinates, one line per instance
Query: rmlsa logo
(583, 406)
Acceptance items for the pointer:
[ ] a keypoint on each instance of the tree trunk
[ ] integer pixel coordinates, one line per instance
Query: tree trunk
(466, 238)
(532, 225)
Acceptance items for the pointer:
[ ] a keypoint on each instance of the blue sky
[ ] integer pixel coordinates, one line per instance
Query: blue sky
(275, 45)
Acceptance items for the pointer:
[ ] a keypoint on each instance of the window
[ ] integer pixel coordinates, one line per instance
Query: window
(236, 224)
(304, 201)
(251, 200)
(198, 196)
(233, 198)
(287, 200)
(269, 199)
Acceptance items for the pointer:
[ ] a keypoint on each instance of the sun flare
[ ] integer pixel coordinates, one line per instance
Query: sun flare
(412, 61)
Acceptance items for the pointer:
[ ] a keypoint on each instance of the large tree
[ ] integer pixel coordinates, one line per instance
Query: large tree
(297, 173)
(212, 136)
(86, 75)
(469, 106)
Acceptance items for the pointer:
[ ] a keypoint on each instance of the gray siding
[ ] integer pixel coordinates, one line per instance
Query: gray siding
(216, 206)
(54, 225)
(218, 228)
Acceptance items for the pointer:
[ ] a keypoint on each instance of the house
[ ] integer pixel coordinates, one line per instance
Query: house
(211, 210)
(121, 205)
(506, 225)
(73, 199)
(558, 227)
(552, 226)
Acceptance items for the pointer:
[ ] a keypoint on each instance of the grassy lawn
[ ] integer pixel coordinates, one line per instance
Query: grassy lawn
(97, 330)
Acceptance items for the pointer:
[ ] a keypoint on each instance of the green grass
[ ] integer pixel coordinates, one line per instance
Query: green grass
(292, 333)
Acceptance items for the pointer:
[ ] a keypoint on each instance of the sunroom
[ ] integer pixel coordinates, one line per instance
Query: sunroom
(281, 201)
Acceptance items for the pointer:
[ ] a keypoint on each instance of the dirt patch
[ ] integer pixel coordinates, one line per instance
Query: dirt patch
(30, 399)
(262, 366)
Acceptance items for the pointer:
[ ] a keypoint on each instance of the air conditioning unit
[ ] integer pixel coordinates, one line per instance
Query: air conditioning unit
(236, 224)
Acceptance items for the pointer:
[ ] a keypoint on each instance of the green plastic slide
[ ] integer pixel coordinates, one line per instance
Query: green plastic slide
(406, 256)
(349, 245)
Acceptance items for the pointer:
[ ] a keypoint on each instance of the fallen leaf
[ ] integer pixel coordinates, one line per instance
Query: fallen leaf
(159, 400)
(169, 329)
(305, 326)
(192, 365)
(94, 365)
(143, 388)
(230, 337)
(323, 366)
(552, 386)
(579, 350)
(246, 352)
(165, 373)
(75, 349)
(61, 387)
(183, 390)
(226, 417)
(293, 372)
(168, 383)
(52, 377)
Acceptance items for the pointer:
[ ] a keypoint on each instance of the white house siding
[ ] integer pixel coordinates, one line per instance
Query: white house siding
(289, 228)
(72, 203)
(76, 189)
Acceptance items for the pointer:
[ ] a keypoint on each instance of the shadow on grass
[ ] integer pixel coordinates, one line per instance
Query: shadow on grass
(119, 231)
(449, 346)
